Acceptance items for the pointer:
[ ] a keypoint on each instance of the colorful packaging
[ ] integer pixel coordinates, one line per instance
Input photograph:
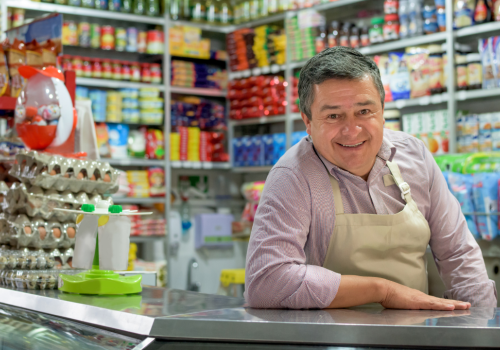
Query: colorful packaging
(490, 62)
(256, 151)
(156, 182)
(118, 140)
(279, 146)
(155, 144)
(16, 57)
(49, 54)
(485, 142)
(485, 197)
(495, 140)
(460, 186)
(399, 76)
(137, 143)
(418, 65)
(464, 13)
(102, 140)
(239, 152)
(383, 66)
(4, 73)
(175, 140)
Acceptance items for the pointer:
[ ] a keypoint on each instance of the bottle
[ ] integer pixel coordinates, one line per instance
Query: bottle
(344, 34)
(185, 9)
(415, 18)
(464, 13)
(152, 8)
(212, 12)
(404, 19)
(225, 12)
(436, 67)
(377, 31)
(474, 71)
(198, 11)
(175, 10)
(127, 6)
(482, 12)
(364, 37)
(320, 41)
(185, 210)
(254, 9)
(138, 8)
(264, 8)
(354, 41)
(391, 27)
(461, 71)
(333, 37)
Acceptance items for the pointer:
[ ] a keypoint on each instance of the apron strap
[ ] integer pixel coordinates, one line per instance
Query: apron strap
(403, 186)
(337, 197)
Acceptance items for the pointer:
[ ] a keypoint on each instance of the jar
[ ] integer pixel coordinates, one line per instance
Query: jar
(464, 13)
(126, 70)
(344, 34)
(354, 41)
(86, 67)
(474, 71)
(333, 36)
(95, 36)
(435, 61)
(320, 41)
(156, 73)
(120, 39)
(84, 34)
(76, 62)
(461, 72)
(135, 72)
(96, 68)
(391, 7)
(107, 38)
(69, 33)
(377, 30)
(142, 42)
(364, 37)
(67, 63)
(154, 42)
(107, 69)
(101, 4)
(114, 5)
(391, 27)
(146, 73)
(132, 39)
(117, 69)
(430, 26)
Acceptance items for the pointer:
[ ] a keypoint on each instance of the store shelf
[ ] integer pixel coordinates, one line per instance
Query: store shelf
(212, 203)
(422, 101)
(198, 91)
(130, 200)
(134, 162)
(146, 239)
(7, 103)
(403, 44)
(81, 11)
(88, 50)
(252, 169)
(477, 94)
(296, 116)
(257, 121)
(481, 30)
(115, 84)
(204, 26)
(258, 22)
(272, 69)
(200, 165)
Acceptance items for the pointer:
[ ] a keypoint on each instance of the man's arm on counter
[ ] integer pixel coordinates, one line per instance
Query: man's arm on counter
(457, 255)
(276, 272)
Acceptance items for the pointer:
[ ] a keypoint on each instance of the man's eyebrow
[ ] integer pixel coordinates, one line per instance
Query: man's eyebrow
(366, 103)
(325, 107)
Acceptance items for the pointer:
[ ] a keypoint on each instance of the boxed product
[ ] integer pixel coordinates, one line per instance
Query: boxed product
(297, 136)
(239, 154)
(418, 66)
(255, 151)
(279, 144)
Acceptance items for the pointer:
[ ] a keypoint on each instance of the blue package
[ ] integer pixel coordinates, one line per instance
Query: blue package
(81, 93)
(247, 149)
(256, 155)
(279, 145)
(118, 140)
(237, 152)
(460, 186)
(268, 145)
(399, 76)
(297, 136)
(485, 196)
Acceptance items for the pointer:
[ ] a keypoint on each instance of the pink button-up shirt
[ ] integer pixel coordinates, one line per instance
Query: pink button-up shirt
(296, 217)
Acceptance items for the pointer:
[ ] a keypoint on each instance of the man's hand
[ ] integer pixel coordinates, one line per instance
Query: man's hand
(357, 290)
(398, 296)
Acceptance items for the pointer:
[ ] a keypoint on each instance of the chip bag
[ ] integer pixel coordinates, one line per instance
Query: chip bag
(155, 144)
(460, 186)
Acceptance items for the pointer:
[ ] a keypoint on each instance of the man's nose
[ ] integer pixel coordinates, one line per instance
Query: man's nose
(350, 127)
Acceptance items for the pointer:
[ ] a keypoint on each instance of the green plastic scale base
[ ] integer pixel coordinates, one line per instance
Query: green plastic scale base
(101, 282)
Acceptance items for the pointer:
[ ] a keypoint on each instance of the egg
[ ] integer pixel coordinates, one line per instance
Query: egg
(107, 178)
(27, 230)
(71, 232)
(56, 232)
(92, 178)
(53, 172)
(43, 232)
(80, 175)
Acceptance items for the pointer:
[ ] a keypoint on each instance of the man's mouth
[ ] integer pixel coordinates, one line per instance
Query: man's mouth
(352, 145)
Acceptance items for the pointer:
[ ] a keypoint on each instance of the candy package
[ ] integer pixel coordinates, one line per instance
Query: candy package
(155, 144)
(4, 73)
(16, 57)
(485, 197)
(490, 62)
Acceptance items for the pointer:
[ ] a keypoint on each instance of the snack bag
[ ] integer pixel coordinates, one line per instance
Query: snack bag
(34, 55)
(4, 74)
(418, 65)
(399, 76)
(16, 57)
(485, 197)
(460, 186)
(49, 54)
(383, 66)
(137, 143)
(155, 144)
(102, 140)
(156, 178)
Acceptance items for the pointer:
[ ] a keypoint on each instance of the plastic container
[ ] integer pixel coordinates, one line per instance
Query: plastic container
(391, 7)
(461, 72)
(391, 27)
(377, 30)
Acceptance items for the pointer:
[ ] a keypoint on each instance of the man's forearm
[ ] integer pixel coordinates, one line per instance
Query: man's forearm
(357, 290)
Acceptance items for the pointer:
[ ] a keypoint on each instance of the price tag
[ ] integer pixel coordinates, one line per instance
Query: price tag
(176, 164)
(275, 68)
(436, 99)
(196, 165)
(208, 165)
(256, 71)
(400, 104)
(461, 95)
(424, 101)
(246, 73)
(266, 70)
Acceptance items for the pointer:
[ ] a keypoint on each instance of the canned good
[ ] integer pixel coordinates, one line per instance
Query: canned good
(117, 70)
(86, 67)
(18, 18)
(114, 5)
(155, 73)
(154, 42)
(146, 73)
(96, 68)
(101, 4)
(107, 69)
(95, 36)
(126, 70)
(84, 34)
(107, 38)
(132, 39)
(135, 71)
(76, 62)
(67, 63)
(69, 33)
(121, 39)
(142, 40)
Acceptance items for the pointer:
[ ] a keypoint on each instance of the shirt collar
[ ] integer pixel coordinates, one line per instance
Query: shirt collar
(386, 153)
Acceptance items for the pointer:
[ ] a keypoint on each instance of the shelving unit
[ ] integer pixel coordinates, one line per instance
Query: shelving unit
(135, 162)
(115, 84)
(134, 200)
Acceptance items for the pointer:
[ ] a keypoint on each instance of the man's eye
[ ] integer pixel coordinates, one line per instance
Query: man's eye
(333, 116)
(364, 111)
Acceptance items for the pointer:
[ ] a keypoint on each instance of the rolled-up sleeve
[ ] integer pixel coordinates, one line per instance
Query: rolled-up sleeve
(457, 255)
(277, 275)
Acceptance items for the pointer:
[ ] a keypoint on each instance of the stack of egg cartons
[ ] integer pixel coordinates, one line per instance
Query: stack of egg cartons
(99, 102)
(114, 107)
(130, 106)
(193, 149)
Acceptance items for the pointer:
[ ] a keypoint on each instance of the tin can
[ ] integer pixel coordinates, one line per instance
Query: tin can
(146, 73)
(114, 5)
(142, 42)
(84, 34)
(95, 36)
(117, 69)
(101, 4)
(86, 67)
(69, 33)
(154, 42)
(67, 63)
(132, 33)
(120, 39)
(126, 70)
(76, 62)
(107, 38)
(96, 68)
(155, 73)
(107, 69)
(135, 71)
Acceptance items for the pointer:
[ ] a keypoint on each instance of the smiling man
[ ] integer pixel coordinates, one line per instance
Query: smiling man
(347, 214)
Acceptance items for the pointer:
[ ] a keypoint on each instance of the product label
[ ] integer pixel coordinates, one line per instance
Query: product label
(376, 35)
(391, 32)
(475, 74)
(365, 40)
(436, 72)
(462, 76)
(344, 41)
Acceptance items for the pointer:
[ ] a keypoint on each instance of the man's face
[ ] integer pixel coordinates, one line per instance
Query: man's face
(347, 125)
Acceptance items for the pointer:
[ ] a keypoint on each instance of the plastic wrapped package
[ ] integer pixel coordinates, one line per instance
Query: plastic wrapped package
(460, 186)
(485, 196)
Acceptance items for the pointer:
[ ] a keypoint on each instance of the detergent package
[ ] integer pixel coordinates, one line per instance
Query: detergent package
(485, 196)
(399, 76)
(460, 186)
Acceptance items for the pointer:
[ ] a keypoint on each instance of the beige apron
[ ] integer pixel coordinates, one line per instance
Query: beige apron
(385, 246)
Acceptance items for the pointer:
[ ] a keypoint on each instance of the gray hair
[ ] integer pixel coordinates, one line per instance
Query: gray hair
(335, 63)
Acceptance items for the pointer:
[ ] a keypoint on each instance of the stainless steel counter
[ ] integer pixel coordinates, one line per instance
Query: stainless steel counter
(180, 315)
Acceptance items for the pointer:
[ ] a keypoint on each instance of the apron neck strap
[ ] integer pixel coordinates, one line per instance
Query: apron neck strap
(400, 182)
(337, 197)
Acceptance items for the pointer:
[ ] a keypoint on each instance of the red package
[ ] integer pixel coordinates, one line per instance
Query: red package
(206, 148)
(155, 144)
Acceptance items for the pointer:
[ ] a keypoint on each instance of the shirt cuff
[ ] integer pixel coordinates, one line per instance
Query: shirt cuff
(479, 295)
(317, 290)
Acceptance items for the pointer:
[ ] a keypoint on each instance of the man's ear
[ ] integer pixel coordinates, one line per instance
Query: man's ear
(307, 122)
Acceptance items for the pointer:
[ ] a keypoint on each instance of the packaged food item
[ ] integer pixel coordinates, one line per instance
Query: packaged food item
(145, 72)
(474, 71)
(441, 19)
(18, 17)
(101, 4)
(16, 57)
(156, 74)
(86, 67)
(107, 38)
(391, 27)
(485, 197)
(102, 140)
(483, 12)
(142, 42)
(391, 7)
(155, 144)
(415, 18)
(84, 34)
(461, 72)
(461, 187)
(132, 39)
(488, 49)
(417, 60)
(34, 55)
(117, 69)
(107, 69)
(49, 54)
(96, 68)
(120, 39)
(95, 36)
(77, 64)
(156, 182)
(435, 61)
(114, 5)
(154, 42)
(320, 41)
(135, 71)
(399, 76)
(464, 13)
(137, 143)
(70, 33)
(4, 73)
(404, 19)
(118, 140)
(345, 32)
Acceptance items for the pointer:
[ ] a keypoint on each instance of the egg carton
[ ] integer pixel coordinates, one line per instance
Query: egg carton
(25, 279)
(50, 171)
(37, 202)
(4, 228)
(26, 259)
(39, 233)
(4, 189)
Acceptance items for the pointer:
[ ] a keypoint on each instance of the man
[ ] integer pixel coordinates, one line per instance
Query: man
(316, 242)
